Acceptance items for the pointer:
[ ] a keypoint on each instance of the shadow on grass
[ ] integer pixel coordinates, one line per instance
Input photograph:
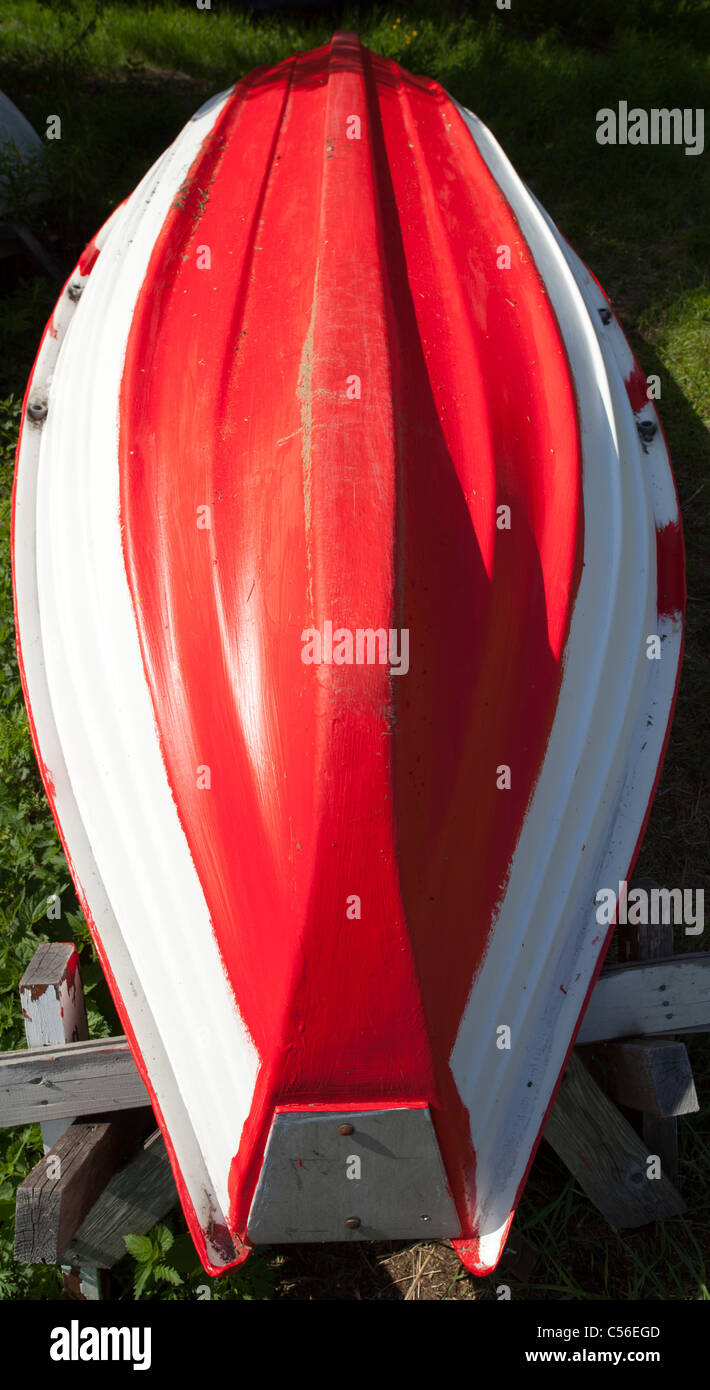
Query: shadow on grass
(641, 214)
(675, 845)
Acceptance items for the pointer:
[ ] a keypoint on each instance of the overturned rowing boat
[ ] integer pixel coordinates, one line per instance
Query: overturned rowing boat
(349, 589)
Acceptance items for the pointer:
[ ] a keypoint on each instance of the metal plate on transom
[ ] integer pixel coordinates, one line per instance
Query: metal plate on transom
(386, 1175)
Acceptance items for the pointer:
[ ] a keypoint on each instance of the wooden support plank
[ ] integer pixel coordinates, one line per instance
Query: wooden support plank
(649, 1074)
(53, 1200)
(135, 1198)
(605, 1154)
(644, 941)
(660, 1136)
(661, 997)
(649, 941)
(84, 1078)
(88, 1285)
(656, 998)
(54, 1011)
(52, 996)
(53, 1008)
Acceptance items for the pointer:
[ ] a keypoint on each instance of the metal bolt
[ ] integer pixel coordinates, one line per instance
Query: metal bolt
(352, 1223)
(346, 1129)
(37, 410)
(647, 429)
(605, 315)
(425, 1218)
(75, 291)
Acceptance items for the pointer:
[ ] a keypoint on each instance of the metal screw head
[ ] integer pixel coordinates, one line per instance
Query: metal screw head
(346, 1129)
(352, 1223)
(647, 429)
(75, 291)
(605, 315)
(37, 410)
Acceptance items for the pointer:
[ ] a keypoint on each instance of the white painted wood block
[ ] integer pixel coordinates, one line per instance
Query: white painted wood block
(53, 1008)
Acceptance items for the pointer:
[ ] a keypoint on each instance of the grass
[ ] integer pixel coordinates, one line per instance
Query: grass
(124, 78)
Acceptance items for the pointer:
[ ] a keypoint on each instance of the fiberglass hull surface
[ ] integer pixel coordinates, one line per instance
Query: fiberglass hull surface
(333, 372)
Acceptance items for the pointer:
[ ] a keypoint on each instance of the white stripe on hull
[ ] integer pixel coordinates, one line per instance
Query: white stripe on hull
(583, 820)
(94, 715)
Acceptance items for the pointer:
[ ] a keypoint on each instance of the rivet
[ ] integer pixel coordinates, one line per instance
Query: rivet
(352, 1223)
(75, 291)
(605, 315)
(646, 429)
(37, 410)
(425, 1218)
(346, 1129)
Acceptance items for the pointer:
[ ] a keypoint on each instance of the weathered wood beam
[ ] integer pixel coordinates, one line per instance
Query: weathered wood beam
(52, 996)
(85, 1078)
(135, 1198)
(653, 998)
(606, 1156)
(660, 997)
(62, 1188)
(660, 1136)
(649, 1074)
(87, 1285)
(648, 940)
(651, 941)
(53, 1009)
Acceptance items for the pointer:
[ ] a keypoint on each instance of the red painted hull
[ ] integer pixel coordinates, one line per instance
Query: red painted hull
(346, 404)
(370, 513)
